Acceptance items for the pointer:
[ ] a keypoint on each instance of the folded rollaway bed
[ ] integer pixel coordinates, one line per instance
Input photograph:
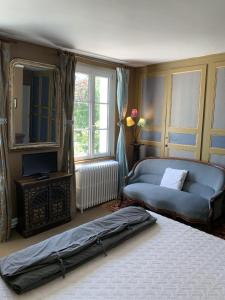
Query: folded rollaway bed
(54, 257)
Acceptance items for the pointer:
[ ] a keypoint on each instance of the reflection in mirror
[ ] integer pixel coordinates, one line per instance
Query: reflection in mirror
(34, 104)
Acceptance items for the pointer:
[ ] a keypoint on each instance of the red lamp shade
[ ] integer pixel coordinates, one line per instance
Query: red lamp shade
(134, 113)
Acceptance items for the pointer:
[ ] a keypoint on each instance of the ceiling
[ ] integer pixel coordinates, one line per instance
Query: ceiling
(135, 32)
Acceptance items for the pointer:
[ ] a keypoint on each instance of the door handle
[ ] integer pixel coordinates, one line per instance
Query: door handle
(166, 145)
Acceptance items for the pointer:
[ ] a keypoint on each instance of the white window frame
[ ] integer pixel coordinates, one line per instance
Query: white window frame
(92, 72)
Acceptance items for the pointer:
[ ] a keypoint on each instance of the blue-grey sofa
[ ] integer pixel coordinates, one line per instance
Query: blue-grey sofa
(201, 199)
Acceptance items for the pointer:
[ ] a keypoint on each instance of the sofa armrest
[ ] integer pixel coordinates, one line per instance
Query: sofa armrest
(126, 180)
(216, 196)
(216, 204)
(128, 177)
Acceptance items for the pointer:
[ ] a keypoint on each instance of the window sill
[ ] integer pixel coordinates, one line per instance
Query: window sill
(88, 160)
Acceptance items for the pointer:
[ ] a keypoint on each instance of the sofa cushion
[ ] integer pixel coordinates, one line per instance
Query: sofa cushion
(187, 204)
(197, 188)
(173, 178)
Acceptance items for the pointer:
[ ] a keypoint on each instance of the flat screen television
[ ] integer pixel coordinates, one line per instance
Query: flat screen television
(37, 164)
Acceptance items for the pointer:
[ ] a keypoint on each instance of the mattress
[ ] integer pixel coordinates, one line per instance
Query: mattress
(169, 261)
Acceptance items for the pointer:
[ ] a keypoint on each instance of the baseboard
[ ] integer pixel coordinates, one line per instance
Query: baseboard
(14, 222)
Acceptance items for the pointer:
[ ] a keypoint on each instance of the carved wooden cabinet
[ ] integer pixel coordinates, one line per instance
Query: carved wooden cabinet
(43, 204)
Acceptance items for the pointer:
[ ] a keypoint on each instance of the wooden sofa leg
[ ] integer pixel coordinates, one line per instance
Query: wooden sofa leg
(210, 222)
(124, 202)
(121, 201)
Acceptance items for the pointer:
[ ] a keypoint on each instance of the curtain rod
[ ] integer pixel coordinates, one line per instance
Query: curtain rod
(93, 59)
(99, 60)
(7, 40)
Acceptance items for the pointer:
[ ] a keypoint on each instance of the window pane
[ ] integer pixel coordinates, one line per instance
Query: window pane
(101, 89)
(81, 87)
(81, 140)
(101, 116)
(93, 112)
(81, 115)
(100, 141)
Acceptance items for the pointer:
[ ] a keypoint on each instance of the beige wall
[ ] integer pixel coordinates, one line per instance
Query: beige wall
(39, 54)
(208, 59)
(50, 56)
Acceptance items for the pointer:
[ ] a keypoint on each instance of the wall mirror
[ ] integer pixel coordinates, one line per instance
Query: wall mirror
(34, 106)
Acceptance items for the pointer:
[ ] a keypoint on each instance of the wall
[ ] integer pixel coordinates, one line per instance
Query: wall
(39, 54)
(47, 55)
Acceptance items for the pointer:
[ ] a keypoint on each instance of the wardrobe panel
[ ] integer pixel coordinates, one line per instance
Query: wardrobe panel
(151, 136)
(184, 118)
(214, 126)
(182, 138)
(153, 107)
(147, 151)
(185, 99)
(219, 110)
(218, 141)
(181, 153)
(153, 99)
(217, 159)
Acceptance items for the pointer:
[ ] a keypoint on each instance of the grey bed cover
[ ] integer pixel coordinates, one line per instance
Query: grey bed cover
(42, 262)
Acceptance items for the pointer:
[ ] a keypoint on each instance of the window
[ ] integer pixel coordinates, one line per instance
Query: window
(94, 112)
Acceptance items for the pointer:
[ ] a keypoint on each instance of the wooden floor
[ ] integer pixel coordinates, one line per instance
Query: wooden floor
(17, 242)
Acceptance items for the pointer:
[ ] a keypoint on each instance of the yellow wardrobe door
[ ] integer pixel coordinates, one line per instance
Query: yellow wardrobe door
(214, 126)
(185, 112)
(153, 108)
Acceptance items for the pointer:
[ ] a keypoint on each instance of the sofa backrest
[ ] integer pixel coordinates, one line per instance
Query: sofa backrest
(202, 179)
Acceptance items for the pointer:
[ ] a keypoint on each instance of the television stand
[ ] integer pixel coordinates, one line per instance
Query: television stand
(42, 176)
(42, 204)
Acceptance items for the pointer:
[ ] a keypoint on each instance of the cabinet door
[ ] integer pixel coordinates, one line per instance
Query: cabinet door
(59, 200)
(153, 109)
(36, 207)
(185, 112)
(214, 126)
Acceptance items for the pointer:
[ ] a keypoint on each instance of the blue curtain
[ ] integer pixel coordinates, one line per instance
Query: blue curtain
(122, 102)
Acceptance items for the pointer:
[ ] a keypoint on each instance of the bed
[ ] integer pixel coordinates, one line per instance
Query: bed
(170, 260)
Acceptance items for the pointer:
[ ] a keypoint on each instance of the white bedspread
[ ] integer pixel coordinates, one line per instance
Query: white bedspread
(168, 261)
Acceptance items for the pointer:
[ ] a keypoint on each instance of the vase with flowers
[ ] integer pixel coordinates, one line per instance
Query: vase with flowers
(136, 123)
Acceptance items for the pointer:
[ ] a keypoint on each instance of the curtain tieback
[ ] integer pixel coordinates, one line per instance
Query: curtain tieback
(120, 123)
(3, 121)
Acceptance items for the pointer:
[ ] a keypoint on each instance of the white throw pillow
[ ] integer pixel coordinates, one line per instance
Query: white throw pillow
(173, 178)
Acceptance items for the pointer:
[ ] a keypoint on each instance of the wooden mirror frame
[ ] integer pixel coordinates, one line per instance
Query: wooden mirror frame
(11, 129)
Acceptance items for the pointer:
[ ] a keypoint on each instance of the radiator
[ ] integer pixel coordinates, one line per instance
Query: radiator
(96, 183)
